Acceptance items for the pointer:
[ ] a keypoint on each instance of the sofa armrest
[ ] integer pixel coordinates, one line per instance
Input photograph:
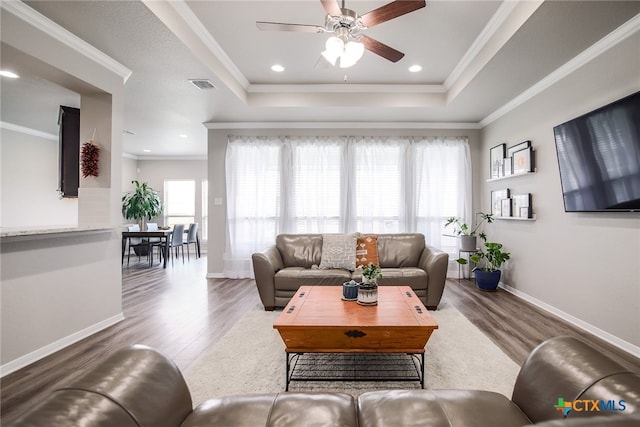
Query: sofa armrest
(136, 386)
(265, 265)
(565, 367)
(435, 262)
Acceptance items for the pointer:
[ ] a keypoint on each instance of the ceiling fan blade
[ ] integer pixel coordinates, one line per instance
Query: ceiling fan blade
(331, 7)
(278, 26)
(390, 11)
(381, 49)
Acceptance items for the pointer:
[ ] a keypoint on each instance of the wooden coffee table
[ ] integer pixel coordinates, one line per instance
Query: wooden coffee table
(317, 320)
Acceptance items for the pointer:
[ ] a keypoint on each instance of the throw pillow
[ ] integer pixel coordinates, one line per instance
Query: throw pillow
(367, 250)
(338, 251)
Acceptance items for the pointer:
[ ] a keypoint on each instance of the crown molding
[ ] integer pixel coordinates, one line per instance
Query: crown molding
(172, 158)
(618, 35)
(185, 12)
(340, 125)
(28, 131)
(44, 24)
(345, 88)
(129, 156)
(495, 23)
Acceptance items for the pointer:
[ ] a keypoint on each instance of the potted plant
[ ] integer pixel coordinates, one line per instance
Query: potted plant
(140, 204)
(468, 235)
(368, 289)
(488, 263)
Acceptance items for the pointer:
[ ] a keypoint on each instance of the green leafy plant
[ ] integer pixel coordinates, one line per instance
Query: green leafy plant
(372, 273)
(490, 259)
(463, 229)
(142, 203)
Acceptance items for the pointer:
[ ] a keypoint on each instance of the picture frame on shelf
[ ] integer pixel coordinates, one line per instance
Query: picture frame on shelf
(522, 161)
(496, 159)
(521, 205)
(518, 147)
(507, 166)
(506, 208)
(497, 196)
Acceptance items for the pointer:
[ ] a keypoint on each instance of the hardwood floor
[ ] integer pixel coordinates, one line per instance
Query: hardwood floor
(181, 313)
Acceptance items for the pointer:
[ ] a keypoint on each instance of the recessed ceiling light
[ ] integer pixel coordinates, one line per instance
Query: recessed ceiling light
(10, 74)
(415, 68)
(147, 151)
(277, 68)
(183, 135)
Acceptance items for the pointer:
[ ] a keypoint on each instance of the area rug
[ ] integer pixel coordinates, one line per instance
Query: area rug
(250, 358)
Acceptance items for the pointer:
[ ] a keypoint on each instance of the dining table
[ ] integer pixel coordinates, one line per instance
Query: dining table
(163, 235)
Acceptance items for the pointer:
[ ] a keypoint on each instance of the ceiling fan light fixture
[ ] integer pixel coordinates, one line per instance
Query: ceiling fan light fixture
(353, 51)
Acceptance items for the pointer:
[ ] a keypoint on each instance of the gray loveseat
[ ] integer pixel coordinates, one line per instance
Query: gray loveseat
(405, 259)
(138, 386)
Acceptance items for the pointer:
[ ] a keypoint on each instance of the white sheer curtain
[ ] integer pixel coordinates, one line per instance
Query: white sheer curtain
(442, 187)
(254, 191)
(341, 184)
(316, 194)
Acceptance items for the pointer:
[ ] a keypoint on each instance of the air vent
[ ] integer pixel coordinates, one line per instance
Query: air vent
(202, 83)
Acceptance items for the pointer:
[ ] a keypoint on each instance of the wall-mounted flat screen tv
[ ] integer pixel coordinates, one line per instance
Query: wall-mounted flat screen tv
(599, 158)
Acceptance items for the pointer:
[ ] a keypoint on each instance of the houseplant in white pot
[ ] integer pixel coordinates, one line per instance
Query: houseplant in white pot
(368, 289)
(468, 234)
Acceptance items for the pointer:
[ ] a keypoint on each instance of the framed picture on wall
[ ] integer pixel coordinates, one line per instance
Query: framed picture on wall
(521, 205)
(506, 208)
(496, 159)
(518, 147)
(497, 196)
(522, 161)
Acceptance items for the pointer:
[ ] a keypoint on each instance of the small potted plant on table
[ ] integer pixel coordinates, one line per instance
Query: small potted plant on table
(368, 289)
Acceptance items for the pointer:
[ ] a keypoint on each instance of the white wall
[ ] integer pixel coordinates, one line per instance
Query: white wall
(59, 288)
(217, 143)
(30, 181)
(583, 265)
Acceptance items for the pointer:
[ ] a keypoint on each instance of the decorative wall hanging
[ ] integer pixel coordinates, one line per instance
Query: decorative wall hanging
(89, 157)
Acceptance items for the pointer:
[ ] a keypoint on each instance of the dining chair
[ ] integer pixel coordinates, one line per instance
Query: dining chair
(177, 241)
(192, 238)
(155, 241)
(135, 242)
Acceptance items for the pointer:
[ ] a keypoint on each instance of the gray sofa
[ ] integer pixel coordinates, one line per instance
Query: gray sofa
(405, 259)
(138, 386)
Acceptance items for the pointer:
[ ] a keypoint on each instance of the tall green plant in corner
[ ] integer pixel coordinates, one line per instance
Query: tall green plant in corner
(142, 203)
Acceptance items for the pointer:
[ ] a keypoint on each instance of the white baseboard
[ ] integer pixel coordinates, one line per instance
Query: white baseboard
(611, 339)
(42, 352)
(215, 276)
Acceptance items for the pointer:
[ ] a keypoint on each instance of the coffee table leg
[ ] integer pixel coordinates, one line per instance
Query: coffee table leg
(422, 370)
(288, 363)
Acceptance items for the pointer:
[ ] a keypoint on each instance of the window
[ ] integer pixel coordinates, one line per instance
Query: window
(179, 202)
(379, 186)
(341, 184)
(317, 191)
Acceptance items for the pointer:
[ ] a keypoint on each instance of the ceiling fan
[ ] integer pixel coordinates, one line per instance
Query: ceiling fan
(347, 44)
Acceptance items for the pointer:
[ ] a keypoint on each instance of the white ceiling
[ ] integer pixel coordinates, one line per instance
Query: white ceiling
(476, 57)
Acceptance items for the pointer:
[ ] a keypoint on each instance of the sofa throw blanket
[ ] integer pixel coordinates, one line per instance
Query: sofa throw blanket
(338, 251)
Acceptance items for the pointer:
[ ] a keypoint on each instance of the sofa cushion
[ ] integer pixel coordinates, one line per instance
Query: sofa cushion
(367, 250)
(400, 250)
(425, 408)
(338, 251)
(276, 410)
(300, 250)
(293, 277)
